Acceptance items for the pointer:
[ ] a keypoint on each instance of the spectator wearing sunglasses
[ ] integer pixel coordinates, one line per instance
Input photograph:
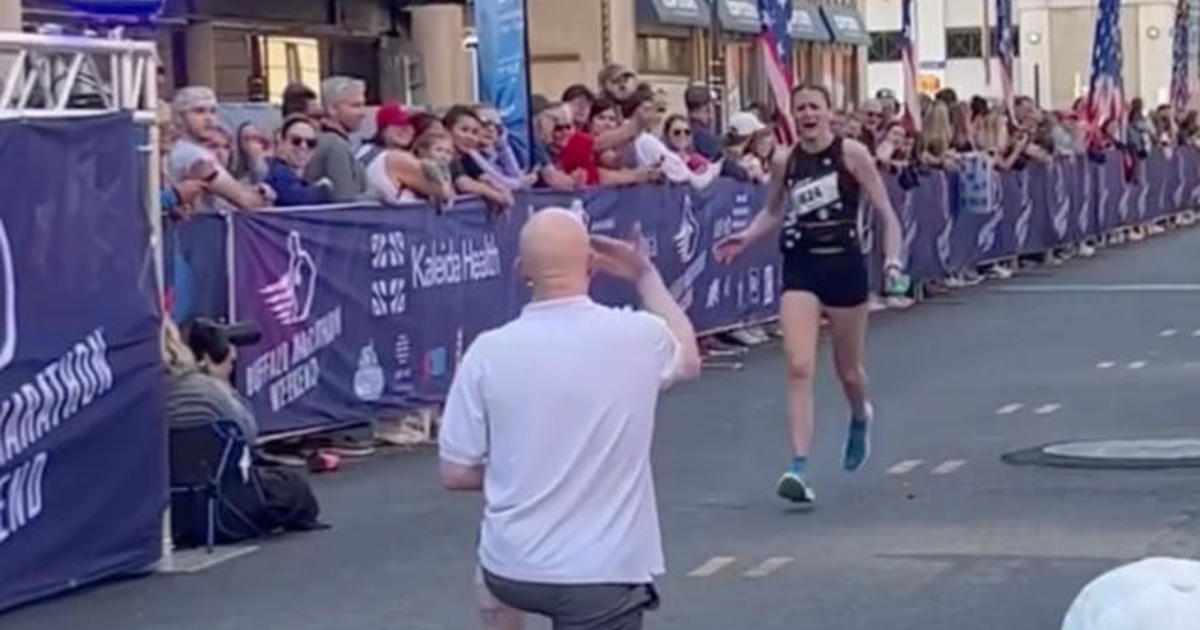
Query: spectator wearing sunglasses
(297, 144)
(678, 134)
(652, 152)
(576, 153)
(496, 155)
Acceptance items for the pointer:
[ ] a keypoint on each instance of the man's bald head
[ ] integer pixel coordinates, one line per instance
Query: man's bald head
(555, 252)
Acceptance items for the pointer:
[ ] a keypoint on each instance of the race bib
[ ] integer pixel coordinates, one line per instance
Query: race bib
(813, 194)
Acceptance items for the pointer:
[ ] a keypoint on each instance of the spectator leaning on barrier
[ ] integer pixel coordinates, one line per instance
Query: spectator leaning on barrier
(300, 99)
(579, 99)
(701, 115)
(576, 153)
(297, 142)
(435, 149)
(195, 114)
(742, 128)
(345, 102)
(549, 120)
(253, 149)
(393, 173)
(220, 142)
(495, 154)
(678, 134)
(933, 145)
(469, 177)
(652, 153)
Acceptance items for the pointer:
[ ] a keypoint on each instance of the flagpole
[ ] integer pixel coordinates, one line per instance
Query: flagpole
(987, 43)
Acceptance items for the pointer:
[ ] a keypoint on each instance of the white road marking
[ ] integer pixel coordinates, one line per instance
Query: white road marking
(1009, 409)
(1137, 365)
(1046, 410)
(1170, 332)
(905, 467)
(769, 566)
(947, 467)
(712, 566)
(1099, 288)
(1106, 365)
(1196, 333)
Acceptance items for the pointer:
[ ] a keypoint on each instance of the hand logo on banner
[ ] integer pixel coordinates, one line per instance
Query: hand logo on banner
(8, 327)
(1061, 216)
(687, 239)
(291, 297)
(1025, 218)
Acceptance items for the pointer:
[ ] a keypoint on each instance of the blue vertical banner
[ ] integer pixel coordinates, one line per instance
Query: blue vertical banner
(504, 67)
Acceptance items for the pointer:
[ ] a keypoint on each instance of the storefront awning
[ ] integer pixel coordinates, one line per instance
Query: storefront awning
(739, 16)
(846, 25)
(674, 12)
(806, 23)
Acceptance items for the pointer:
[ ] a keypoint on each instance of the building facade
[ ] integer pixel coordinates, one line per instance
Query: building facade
(417, 51)
(1053, 46)
(669, 42)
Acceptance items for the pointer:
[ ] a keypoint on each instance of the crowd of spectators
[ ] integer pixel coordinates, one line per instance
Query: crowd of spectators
(619, 132)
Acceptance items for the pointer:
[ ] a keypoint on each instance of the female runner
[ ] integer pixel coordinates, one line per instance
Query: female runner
(814, 196)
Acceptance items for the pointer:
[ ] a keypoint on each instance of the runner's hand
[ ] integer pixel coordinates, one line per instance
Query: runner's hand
(627, 260)
(895, 281)
(730, 247)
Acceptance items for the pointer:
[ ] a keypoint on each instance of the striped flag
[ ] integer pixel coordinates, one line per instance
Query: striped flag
(1106, 91)
(1180, 94)
(1005, 48)
(908, 60)
(775, 42)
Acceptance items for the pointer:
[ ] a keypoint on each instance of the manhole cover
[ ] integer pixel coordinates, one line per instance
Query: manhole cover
(1132, 453)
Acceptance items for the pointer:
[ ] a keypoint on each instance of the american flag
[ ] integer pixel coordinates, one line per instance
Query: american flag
(908, 60)
(1106, 94)
(1005, 49)
(1179, 63)
(775, 42)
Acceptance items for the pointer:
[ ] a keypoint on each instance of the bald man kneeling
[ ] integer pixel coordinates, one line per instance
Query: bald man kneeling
(552, 416)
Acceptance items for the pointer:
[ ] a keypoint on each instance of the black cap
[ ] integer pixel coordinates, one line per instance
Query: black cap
(696, 96)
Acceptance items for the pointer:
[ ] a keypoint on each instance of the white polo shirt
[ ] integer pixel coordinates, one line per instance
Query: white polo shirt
(558, 406)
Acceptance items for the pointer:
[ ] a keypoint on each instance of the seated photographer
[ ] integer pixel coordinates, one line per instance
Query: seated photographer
(200, 393)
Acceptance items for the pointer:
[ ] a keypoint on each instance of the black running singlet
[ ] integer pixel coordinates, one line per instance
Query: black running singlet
(821, 202)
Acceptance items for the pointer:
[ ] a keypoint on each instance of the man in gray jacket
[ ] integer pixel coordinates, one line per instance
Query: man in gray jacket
(344, 99)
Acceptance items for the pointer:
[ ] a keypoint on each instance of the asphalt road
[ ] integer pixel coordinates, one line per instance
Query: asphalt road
(935, 533)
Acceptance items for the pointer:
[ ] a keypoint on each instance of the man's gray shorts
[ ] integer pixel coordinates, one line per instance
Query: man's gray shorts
(578, 606)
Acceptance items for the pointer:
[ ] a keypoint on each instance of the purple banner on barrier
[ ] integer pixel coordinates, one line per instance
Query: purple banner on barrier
(83, 462)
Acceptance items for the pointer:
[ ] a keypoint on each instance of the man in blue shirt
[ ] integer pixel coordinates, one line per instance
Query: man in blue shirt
(699, 100)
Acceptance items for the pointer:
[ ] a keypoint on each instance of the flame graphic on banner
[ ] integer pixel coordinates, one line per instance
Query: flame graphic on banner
(987, 232)
(1089, 187)
(944, 242)
(8, 346)
(1062, 201)
(1026, 215)
(908, 219)
(1181, 184)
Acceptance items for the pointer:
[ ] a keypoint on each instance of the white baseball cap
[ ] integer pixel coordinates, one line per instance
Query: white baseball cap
(1151, 594)
(745, 124)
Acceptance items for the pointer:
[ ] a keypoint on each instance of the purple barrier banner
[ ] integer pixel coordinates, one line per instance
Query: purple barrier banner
(367, 308)
(83, 459)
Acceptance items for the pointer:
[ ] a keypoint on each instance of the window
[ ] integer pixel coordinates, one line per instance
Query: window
(964, 43)
(664, 55)
(885, 46)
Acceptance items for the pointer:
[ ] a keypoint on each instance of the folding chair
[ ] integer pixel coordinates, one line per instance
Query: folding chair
(201, 458)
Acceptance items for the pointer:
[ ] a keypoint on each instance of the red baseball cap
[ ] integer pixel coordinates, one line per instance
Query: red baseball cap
(392, 115)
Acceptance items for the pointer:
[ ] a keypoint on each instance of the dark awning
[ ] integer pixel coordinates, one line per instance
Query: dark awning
(846, 25)
(807, 24)
(739, 16)
(674, 12)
